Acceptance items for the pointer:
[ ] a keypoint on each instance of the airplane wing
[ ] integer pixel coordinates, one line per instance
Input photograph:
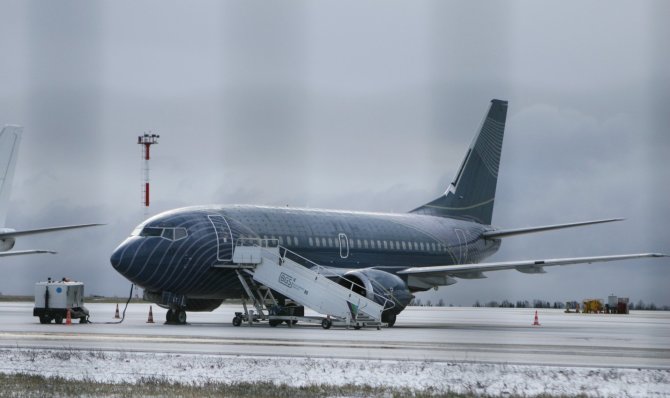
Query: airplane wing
(12, 234)
(22, 252)
(444, 274)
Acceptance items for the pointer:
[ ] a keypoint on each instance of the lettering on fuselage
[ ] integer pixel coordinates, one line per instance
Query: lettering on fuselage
(289, 281)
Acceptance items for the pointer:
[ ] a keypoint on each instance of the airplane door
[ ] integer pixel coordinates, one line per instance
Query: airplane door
(344, 245)
(462, 246)
(224, 238)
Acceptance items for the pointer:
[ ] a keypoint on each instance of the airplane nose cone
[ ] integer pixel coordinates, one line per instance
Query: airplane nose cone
(115, 259)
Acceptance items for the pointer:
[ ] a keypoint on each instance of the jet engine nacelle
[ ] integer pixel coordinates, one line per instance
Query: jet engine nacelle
(373, 283)
(8, 242)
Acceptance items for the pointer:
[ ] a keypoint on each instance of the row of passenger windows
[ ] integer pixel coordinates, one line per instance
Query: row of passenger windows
(360, 243)
(379, 244)
(167, 233)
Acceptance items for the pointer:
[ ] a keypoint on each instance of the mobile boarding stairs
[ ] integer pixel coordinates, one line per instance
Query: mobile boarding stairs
(263, 266)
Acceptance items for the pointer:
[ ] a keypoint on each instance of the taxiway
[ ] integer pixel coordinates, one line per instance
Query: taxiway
(486, 335)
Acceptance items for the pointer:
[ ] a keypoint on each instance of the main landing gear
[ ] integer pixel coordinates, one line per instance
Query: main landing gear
(175, 317)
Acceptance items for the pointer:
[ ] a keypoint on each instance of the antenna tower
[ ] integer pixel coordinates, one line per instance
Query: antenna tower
(146, 141)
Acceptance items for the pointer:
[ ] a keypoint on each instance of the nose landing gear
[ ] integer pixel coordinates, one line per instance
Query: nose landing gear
(175, 316)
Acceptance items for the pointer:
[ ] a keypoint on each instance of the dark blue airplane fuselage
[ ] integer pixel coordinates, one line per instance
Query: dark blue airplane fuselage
(181, 251)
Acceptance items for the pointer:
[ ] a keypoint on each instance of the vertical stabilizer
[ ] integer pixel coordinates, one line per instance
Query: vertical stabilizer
(10, 137)
(472, 193)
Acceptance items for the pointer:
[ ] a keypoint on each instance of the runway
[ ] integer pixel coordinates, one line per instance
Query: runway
(439, 334)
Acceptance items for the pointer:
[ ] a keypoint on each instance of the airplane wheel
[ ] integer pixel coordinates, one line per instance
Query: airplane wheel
(44, 319)
(326, 324)
(391, 320)
(169, 317)
(58, 319)
(181, 317)
(357, 326)
(274, 322)
(237, 321)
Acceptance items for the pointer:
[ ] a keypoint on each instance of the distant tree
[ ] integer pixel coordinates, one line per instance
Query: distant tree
(477, 304)
(652, 307)
(418, 302)
(640, 305)
(429, 304)
(492, 304)
(440, 303)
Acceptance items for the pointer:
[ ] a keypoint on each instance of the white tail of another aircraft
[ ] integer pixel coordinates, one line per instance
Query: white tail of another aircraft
(10, 138)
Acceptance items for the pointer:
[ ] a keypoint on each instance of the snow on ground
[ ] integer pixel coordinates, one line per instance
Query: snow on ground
(478, 378)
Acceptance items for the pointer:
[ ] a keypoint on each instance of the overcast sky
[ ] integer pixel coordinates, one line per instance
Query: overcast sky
(361, 105)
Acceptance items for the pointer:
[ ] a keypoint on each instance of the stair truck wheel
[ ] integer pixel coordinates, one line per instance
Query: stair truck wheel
(58, 319)
(326, 323)
(274, 322)
(44, 319)
(237, 321)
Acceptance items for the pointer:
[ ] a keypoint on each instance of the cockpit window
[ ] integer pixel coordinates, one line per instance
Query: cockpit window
(180, 233)
(151, 231)
(168, 233)
(171, 234)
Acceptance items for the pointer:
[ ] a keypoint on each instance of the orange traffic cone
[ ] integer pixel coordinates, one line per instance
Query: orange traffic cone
(68, 318)
(151, 316)
(537, 321)
(117, 316)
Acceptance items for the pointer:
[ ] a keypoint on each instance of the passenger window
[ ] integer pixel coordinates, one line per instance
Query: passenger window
(330, 242)
(365, 243)
(403, 245)
(422, 246)
(386, 245)
(311, 241)
(358, 243)
(318, 242)
(416, 247)
(379, 244)
(295, 241)
(281, 241)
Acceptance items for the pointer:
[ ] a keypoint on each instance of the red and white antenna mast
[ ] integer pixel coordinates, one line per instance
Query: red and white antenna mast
(146, 140)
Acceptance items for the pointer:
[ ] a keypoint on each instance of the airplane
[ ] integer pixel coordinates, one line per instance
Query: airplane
(175, 256)
(10, 139)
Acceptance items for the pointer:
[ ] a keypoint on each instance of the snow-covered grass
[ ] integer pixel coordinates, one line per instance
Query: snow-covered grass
(387, 377)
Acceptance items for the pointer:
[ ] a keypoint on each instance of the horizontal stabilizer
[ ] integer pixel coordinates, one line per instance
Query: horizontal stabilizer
(503, 233)
(468, 271)
(14, 234)
(22, 252)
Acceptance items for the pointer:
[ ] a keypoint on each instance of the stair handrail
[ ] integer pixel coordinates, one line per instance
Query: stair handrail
(264, 244)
